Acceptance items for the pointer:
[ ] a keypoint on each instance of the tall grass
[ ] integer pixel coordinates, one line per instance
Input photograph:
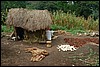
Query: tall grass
(70, 21)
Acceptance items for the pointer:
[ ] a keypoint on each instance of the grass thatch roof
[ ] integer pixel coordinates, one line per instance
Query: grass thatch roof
(29, 19)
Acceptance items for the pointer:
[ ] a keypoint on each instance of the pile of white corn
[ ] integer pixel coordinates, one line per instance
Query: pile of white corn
(66, 47)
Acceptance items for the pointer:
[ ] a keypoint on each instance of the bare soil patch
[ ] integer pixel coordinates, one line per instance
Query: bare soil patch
(13, 54)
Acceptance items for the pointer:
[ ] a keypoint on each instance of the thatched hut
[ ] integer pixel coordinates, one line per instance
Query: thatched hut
(29, 23)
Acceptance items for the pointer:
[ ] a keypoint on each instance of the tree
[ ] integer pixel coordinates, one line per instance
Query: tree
(87, 8)
(6, 5)
(41, 5)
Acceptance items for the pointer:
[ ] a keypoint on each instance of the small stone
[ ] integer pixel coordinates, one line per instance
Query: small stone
(21, 44)
(18, 52)
(48, 45)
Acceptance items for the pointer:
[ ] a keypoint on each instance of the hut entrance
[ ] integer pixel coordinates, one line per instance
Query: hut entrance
(19, 32)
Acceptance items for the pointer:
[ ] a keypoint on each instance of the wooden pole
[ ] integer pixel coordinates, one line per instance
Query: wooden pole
(15, 33)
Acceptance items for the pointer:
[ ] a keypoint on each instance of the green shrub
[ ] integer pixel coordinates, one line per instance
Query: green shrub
(5, 29)
(70, 21)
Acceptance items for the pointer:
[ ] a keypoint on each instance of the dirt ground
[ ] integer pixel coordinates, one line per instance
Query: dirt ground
(13, 54)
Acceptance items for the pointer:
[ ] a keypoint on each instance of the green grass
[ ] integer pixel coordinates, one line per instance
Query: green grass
(76, 31)
(72, 30)
(6, 29)
(58, 27)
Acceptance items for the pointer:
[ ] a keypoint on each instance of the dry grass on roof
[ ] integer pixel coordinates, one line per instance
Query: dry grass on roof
(29, 19)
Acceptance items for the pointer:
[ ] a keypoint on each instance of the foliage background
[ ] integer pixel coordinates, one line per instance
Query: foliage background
(68, 14)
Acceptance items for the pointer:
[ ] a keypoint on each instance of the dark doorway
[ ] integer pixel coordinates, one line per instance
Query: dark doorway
(20, 33)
